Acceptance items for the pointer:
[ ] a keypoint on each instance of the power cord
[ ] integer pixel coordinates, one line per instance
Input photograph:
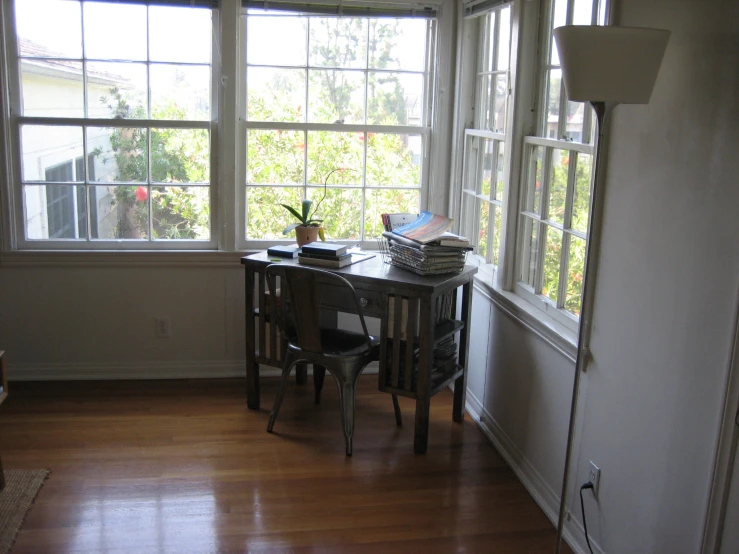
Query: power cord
(588, 485)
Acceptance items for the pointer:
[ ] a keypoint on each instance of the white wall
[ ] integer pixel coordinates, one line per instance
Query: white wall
(98, 322)
(666, 294)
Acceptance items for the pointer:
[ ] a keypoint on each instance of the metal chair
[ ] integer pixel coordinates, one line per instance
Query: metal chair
(342, 353)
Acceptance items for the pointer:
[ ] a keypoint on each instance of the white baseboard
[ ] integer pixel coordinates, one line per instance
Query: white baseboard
(533, 482)
(139, 370)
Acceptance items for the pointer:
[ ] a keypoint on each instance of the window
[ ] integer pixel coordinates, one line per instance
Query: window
(127, 87)
(337, 106)
(485, 143)
(526, 177)
(556, 184)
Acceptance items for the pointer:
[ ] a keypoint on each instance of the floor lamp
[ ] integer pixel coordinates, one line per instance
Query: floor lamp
(605, 66)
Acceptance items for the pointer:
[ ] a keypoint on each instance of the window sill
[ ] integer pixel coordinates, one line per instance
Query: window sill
(561, 338)
(108, 258)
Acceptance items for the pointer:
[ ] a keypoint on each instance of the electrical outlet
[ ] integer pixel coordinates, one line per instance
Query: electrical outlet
(163, 328)
(594, 477)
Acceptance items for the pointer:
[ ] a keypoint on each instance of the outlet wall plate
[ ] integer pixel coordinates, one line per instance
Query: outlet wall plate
(594, 477)
(163, 328)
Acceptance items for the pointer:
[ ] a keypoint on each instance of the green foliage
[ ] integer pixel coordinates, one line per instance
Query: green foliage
(276, 159)
(554, 238)
(177, 156)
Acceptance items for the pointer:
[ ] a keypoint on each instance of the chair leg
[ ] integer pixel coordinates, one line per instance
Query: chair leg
(347, 402)
(396, 407)
(319, 373)
(281, 391)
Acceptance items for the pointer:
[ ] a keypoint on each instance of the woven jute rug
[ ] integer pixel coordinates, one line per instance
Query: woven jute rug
(21, 488)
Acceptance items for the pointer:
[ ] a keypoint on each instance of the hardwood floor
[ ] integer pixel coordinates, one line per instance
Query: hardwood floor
(184, 467)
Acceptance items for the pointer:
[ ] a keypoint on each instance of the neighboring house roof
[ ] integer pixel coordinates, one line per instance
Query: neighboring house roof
(42, 61)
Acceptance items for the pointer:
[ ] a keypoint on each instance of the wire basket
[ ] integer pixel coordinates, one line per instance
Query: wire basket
(432, 260)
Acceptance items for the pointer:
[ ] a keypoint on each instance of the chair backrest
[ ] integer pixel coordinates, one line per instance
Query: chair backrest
(299, 287)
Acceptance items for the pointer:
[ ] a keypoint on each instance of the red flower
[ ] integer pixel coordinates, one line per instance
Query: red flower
(142, 194)
(300, 146)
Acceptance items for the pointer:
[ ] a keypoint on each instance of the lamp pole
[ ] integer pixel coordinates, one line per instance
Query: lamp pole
(602, 109)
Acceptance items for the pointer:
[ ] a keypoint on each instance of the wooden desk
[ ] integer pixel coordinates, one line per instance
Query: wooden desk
(419, 306)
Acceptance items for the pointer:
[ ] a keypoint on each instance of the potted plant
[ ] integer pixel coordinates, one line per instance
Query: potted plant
(308, 229)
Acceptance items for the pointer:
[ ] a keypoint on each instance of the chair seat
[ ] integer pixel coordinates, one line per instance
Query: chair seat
(340, 342)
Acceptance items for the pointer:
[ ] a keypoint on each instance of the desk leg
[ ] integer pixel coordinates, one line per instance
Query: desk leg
(425, 354)
(252, 367)
(460, 384)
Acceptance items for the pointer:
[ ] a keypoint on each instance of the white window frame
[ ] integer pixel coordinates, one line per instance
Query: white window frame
(227, 131)
(533, 294)
(14, 235)
(426, 129)
(528, 66)
(473, 157)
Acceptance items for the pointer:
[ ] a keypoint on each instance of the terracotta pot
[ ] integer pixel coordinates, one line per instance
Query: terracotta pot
(305, 234)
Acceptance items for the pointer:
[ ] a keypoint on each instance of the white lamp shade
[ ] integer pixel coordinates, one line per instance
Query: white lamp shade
(610, 64)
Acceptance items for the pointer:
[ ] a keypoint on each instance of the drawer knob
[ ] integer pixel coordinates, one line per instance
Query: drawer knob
(363, 302)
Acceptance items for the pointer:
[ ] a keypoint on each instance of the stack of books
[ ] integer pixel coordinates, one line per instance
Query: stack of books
(326, 254)
(425, 245)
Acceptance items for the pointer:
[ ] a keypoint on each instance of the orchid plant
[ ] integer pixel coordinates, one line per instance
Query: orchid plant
(306, 217)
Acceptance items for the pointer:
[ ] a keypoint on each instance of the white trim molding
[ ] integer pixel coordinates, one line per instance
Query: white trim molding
(544, 496)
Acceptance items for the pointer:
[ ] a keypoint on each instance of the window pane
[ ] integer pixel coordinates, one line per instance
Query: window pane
(394, 98)
(265, 217)
(558, 185)
(339, 42)
(530, 251)
(335, 96)
(581, 200)
(180, 92)
(497, 223)
(275, 94)
(489, 63)
(180, 156)
(554, 79)
(275, 157)
(560, 18)
(56, 211)
(47, 96)
(119, 154)
(488, 167)
(552, 254)
(532, 200)
(180, 213)
(499, 111)
(116, 90)
(500, 167)
(115, 31)
(44, 147)
(483, 236)
(575, 118)
(583, 14)
(328, 150)
(106, 216)
(179, 34)
(379, 202)
(397, 44)
(575, 275)
(341, 211)
(38, 24)
(394, 160)
(504, 40)
(120, 212)
(276, 40)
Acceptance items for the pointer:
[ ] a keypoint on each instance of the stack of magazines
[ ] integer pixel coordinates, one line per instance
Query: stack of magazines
(424, 245)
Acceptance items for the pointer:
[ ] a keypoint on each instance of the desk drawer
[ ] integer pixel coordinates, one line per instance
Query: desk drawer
(339, 298)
